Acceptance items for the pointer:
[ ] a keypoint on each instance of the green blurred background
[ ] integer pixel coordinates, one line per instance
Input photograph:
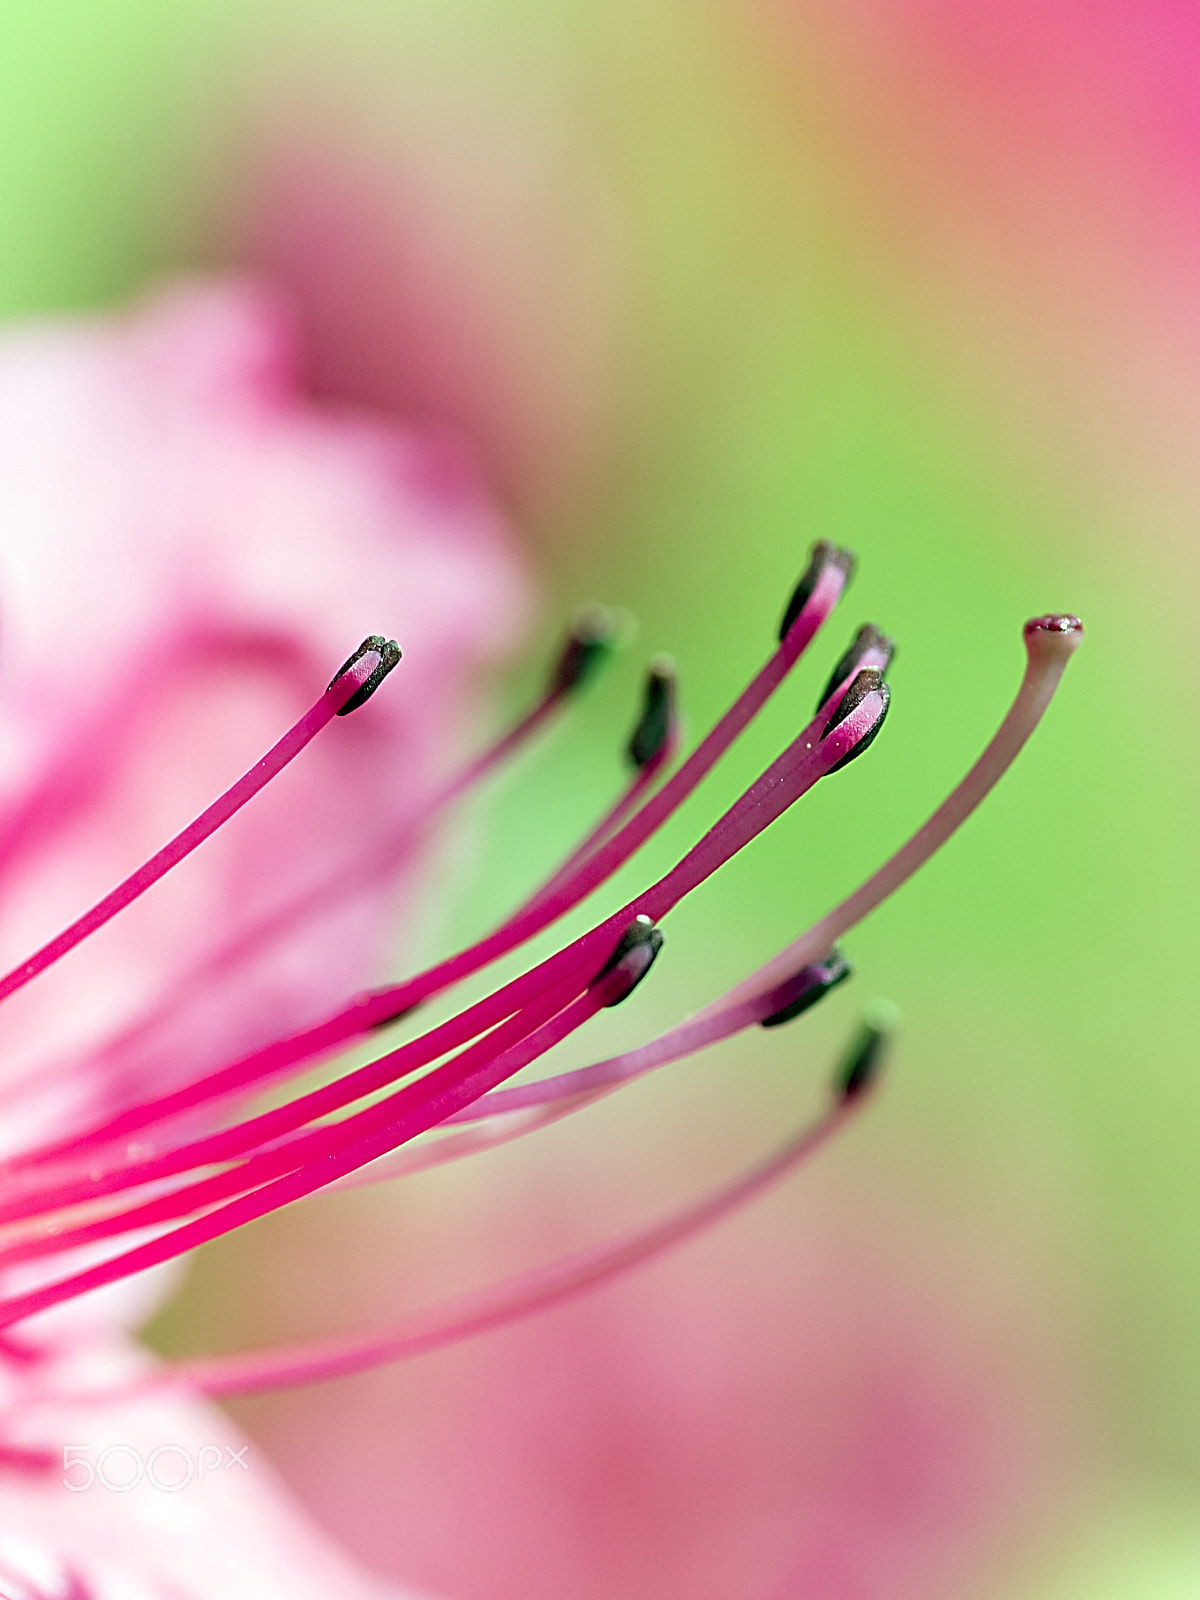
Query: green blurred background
(702, 283)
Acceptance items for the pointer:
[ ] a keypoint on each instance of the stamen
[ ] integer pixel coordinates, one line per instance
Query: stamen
(823, 584)
(387, 654)
(801, 765)
(824, 579)
(593, 637)
(657, 729)
(380, 860)
(869, 681)
(636, 952)
(510, 1301)
(868, 648)
(1049, 643)
(777, 1006)
(357, 675)
(864, 1060)
(651, 746)
(486, 1135)
(538, 1009)
(558, 1011)
(555, 1097)
(811, 756)
(809, 985)
(824, 557)
(328, 1152)
(505, 1115)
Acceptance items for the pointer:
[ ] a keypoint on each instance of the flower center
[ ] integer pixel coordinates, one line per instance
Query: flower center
(100, 1183)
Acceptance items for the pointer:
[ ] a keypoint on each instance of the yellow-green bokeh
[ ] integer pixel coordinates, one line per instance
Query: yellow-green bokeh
(769, 383)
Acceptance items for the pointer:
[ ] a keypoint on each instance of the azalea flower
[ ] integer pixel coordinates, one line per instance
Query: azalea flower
(237, 530)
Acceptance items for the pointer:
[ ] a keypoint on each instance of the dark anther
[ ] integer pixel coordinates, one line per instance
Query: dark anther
(634, 956)
(868, 681)
(657, 721)
(864, 1060)
(804, 988)
(388, 652)
(591, 638)
(824, 555)
(394, 1016)
(867, 638)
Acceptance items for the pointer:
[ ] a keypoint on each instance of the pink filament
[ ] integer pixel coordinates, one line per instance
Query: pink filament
(368, 1134)
(538, 1025)
(503, 1303)
(487, 1135)
(368, 1011)
(381, 859)
(548, 1098)
(504, 1115)
(343, 1147)
(612, 821)
(206, 824)
(618, 849)
(601, 1076)
(409, 1111)
(800, 766)
(526, 1017)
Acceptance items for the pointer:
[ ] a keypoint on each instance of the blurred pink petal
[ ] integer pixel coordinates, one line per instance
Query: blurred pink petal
(1020, 181)
(813, 1396)
(483, 283)
(155, 1500)
(190, 551)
